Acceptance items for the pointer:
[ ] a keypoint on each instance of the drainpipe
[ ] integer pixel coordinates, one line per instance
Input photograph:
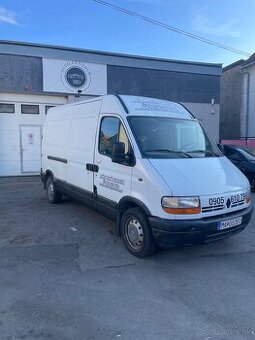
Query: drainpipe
(247, 100)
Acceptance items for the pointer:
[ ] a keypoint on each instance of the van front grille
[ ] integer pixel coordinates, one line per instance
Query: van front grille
(221, 206)
(212, 208)
(237, 203)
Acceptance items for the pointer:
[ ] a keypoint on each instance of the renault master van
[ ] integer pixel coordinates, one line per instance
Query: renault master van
(149, 165)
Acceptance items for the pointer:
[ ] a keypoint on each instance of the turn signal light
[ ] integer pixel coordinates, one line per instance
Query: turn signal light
(183, 211)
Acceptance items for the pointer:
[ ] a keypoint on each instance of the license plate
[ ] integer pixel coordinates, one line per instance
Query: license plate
(233, 222)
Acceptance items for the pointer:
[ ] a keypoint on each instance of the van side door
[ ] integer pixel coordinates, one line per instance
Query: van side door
(112, 180)
(83, 124)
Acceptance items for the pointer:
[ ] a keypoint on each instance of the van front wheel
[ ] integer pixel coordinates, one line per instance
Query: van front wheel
(136, 233)
(52, 194)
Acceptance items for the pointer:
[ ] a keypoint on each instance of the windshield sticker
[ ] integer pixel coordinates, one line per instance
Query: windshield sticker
(111, 183)
(153, 105)
(159, 107)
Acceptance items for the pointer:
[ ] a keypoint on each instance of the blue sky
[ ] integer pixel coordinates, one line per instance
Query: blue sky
(89, 25)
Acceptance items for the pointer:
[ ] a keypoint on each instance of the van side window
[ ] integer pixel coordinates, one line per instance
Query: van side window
(111, 131)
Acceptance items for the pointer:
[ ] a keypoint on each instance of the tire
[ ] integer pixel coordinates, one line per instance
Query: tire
(136, 233)
(52, 194)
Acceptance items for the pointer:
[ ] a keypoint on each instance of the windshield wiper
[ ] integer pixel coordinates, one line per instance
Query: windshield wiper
(170, 151)
(205, 151)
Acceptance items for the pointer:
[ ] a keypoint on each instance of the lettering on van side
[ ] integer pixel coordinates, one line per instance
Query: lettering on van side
(111, 183)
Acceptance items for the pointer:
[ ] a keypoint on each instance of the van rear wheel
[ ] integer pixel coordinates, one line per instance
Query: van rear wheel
(52, 194)
(136, 233)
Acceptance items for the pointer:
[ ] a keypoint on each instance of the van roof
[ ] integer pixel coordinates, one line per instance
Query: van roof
(138, 105)
(151, 106)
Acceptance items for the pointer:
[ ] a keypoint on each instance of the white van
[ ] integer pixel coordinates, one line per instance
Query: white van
(149, 165)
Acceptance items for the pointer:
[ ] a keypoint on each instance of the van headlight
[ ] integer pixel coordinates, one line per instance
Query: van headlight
(181, 205)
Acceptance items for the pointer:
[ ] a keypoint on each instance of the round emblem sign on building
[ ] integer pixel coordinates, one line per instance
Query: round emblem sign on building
(75, 76)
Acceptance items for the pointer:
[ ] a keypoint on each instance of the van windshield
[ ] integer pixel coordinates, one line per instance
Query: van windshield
(163, 137)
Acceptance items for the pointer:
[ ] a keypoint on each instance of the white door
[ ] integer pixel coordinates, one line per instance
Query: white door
(112, 180)
(80, 151)
(31, 138)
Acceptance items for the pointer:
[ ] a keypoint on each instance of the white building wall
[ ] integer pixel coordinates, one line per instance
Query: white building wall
(209, 116)
(10, 130)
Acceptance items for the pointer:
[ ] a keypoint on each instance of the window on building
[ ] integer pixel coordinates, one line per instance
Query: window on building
(47, 107)
(7, 108)
(30, 109)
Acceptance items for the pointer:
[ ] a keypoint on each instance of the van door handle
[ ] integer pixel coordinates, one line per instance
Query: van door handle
(92, 167)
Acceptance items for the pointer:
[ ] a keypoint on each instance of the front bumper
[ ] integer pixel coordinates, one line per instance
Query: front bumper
(169, 233)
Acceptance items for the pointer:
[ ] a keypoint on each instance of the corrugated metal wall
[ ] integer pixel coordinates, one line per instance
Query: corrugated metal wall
(175, 86)
(20, 74)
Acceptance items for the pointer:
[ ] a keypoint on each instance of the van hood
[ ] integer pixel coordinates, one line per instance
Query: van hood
(200, 176)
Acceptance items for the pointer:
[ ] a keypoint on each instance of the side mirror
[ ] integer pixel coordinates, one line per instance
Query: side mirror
(118, 152)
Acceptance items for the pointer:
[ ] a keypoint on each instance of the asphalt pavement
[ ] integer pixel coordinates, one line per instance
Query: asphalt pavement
(66, 275)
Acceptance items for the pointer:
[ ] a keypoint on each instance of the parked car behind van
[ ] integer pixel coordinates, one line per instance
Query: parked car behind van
(149, 165)
(244, 158)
